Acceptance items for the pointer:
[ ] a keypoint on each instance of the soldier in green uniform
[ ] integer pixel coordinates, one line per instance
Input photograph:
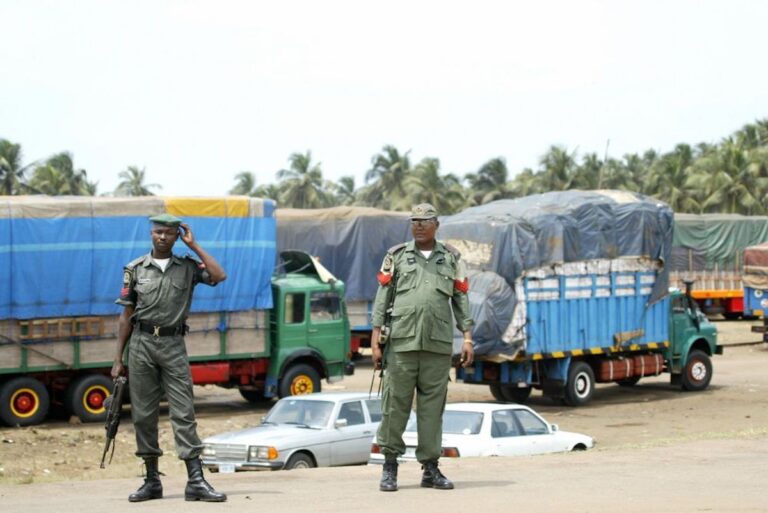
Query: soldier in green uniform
(157, 293)
(423, 282)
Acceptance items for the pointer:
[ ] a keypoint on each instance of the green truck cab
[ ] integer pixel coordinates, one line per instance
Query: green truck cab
(308, 328)
(693, 341)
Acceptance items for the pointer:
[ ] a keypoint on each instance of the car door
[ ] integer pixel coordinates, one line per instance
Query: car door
(353, 441)
(539, 438)
(507, 436)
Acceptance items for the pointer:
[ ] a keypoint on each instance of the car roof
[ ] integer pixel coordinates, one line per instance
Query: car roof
(333, 396)
(484, 407)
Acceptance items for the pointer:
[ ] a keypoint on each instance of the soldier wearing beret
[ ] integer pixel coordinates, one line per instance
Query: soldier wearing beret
(157, 293)
(423, 282)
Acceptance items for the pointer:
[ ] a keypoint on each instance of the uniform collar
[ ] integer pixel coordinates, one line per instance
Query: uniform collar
(439, 247)
(148, 260)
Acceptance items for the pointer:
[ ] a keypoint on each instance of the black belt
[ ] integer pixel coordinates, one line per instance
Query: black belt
(163, 331)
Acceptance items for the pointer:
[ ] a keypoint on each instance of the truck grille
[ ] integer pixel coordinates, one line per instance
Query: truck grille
(230, 452)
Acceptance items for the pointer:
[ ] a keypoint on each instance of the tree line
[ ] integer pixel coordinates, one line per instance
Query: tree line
(727, 177)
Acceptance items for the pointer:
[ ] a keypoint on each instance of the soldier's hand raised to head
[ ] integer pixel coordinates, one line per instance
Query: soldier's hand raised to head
(186, 234)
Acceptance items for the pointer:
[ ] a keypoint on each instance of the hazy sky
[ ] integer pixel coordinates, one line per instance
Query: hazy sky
(198, 91)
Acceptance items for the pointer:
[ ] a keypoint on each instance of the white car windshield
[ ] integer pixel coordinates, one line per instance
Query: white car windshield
(455, 422)
(300, 412)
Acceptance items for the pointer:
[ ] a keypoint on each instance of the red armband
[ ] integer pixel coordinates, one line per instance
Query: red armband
(384, 279)
(461, 285)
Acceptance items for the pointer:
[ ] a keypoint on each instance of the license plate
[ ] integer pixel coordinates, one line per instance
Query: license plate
(226, 468)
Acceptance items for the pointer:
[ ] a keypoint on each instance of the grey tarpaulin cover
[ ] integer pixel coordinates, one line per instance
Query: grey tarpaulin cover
(349, 241)
(507, 237)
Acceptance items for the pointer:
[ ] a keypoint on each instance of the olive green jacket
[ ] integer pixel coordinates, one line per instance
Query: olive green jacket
(426, 292)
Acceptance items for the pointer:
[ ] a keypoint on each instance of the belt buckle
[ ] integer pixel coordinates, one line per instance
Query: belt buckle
(156, 331)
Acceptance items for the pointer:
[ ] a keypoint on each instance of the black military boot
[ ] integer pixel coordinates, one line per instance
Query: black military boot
(433, 478)
(152, 487)
(388, 481)
(198, 488)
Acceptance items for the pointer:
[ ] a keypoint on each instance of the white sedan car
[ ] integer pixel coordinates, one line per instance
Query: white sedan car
(492, 429)
(300, 431)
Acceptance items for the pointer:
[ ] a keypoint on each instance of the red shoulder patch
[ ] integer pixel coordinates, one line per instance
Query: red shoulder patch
(461, 285)
(384, 279)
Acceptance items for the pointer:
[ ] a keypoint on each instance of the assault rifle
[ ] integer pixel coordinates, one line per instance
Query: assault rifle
(114, 405)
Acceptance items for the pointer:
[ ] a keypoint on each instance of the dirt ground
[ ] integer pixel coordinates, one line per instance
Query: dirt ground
(730, 417)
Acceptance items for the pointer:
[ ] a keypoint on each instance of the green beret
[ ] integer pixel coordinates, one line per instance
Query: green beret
(166, 220)
(423, 211)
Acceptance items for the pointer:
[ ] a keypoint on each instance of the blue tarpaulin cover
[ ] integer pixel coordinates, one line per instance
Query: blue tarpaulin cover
(64, 256)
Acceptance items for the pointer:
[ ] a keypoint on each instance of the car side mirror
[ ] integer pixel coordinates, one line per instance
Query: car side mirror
(555, 428)
(340, 423)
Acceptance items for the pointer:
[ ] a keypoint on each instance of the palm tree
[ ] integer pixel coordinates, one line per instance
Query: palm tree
(132, 183)
(58, 176)
(345, 190)
(246, 184)
(489, 183)
(11, 171)
(524, 184)
(669, 180)
(302, 184)
(426, 185)
(559, 166)
(386, 180)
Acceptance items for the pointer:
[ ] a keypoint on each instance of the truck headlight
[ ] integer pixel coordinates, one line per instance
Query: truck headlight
(261, 452)
(208, 450)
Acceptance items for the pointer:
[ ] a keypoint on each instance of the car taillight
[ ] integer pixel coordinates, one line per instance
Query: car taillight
(375, 449)
(450, 452)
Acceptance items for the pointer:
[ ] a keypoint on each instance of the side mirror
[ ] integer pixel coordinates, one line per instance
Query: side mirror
(555, 428)
(340, 423)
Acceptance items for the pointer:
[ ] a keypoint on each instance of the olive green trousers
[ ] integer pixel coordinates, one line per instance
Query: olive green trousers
(157, 366)
(427, 374)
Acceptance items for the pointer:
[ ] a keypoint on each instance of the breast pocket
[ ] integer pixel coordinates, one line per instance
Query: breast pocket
(178, 290)
(445, 277)
(406, 278)
(146, 293)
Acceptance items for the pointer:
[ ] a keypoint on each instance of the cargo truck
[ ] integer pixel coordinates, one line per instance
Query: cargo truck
(709, 250)
(570, 289)
(266, 334)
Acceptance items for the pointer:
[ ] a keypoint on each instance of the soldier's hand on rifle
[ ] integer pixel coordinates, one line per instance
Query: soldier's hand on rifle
(375, 348)
(118, 369)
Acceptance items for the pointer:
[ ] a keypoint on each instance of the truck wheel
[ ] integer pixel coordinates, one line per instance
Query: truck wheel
(580, 385)
(629, 382)
(299, 379)
(85, 397)
(23, 402)
(299, 460)
(252, 396)
(698, 371)
(510, 393)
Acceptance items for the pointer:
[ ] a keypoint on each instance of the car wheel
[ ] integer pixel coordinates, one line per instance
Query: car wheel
(299, 460)
(23, 402)
(629, 382)
(85, 397)
(698, 371)
(299, 379)
(580, 385)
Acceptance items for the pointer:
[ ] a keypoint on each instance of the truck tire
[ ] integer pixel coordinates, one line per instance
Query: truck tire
(23, 402)
(580, 385)
(85, 397)
(299, 379)
(252, 396)
(510, 393)
(698, 371)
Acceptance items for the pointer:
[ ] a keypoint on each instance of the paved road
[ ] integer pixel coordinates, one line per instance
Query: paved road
(704, 475)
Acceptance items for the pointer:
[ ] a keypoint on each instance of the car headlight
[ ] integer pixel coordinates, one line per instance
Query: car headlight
(208, 450)
(261, 452)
